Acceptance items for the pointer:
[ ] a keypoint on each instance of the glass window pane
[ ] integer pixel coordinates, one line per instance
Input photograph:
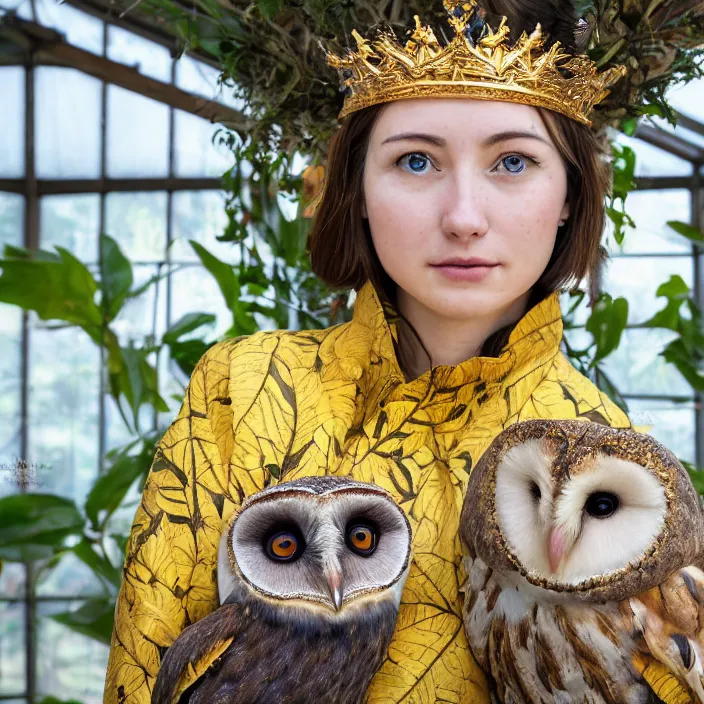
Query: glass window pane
(636, 367)
(651, 161)
(136, 147)
(673, 424)
(147, 57)
(638, 278)
(71, 577)
(12, 122)
(200, 78)
(12, 581)
(137, 221)
(10, 390)
(11, 219)
(117, 434)
(12, 648)
(72, 222)
(79, 28)
(688, 98)
(200, 216)
(67, 117)
(144, 316)
(64, 385)
(67, 662)
(194, 151)
(681, 132)
(651, 211)
(194, 290)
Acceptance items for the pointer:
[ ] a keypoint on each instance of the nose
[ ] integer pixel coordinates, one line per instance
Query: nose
(465, 210)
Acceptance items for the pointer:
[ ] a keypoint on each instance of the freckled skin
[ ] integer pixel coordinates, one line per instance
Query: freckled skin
(465, 203)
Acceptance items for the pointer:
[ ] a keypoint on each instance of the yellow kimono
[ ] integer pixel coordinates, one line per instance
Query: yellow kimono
(280, 405)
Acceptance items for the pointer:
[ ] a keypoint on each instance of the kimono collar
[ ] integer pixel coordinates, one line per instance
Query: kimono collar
(534, 341)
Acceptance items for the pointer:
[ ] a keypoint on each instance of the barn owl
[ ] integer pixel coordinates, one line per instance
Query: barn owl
(310, 574)
(581, 551)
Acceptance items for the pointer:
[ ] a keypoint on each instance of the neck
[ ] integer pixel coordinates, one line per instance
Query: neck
(449, 341)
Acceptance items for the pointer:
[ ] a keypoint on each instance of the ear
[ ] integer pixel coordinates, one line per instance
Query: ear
(364, 208)
(564, 213)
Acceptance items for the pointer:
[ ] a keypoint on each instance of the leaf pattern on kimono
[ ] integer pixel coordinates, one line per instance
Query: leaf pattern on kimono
(276, 406)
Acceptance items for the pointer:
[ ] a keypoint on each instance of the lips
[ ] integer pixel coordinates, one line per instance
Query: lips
(465, 263)
(466, 270)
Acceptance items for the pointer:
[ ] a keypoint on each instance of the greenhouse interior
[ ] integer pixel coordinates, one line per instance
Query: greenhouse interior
(113, 138)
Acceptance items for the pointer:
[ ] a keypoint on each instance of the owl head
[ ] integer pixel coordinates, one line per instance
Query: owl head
(578, 507)
(321, 543)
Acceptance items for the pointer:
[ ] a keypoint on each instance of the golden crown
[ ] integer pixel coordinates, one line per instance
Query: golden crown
(479, 62)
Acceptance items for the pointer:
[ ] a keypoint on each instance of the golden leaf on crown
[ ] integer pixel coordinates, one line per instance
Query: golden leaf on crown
(478, 62)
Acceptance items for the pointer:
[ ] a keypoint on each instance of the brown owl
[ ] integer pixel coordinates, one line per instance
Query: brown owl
(582, 544)
(310, 575)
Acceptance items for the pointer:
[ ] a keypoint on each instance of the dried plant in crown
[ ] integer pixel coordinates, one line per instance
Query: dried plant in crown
(271, 50)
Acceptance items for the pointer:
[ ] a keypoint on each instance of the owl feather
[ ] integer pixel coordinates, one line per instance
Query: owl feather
(582, 551)
(310, 574)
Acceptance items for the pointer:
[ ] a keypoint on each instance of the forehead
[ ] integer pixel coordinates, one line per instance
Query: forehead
(457, 119)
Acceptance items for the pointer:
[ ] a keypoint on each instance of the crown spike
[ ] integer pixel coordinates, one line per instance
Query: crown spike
(479, 62)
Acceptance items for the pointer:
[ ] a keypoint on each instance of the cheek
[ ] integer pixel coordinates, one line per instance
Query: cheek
(398, 215)
(529, 221)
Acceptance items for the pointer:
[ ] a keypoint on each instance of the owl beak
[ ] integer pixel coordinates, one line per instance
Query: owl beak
(335, 585)
(556, 548)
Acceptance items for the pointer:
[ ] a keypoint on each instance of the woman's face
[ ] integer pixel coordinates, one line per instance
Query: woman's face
(464, 198)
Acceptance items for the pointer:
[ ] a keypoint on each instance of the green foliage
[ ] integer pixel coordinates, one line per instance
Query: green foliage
(35, 526)
(682, 315)
(94, 618)
(606, 324)
(688, 231)
(624, 181)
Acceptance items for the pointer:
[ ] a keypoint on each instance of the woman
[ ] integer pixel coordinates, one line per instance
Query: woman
(457, 221)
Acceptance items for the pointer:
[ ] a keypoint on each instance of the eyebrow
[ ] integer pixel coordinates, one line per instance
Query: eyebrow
(416, 136)
(488, 142)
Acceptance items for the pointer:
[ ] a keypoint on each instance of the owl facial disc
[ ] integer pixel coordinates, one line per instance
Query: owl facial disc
(317, 542)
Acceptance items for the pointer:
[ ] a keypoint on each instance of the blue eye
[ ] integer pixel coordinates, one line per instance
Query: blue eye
(514, 163)
(416, 163)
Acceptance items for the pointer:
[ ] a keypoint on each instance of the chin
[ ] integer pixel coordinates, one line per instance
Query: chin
(464, 302)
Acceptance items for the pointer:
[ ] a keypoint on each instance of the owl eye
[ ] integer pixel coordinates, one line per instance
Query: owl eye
(361, 538)
(284, 545)
(601, 504)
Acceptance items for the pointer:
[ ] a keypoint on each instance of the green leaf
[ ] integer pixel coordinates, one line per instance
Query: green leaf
(224, 274)
(676, 291)
(689, 231)
(629, 126)
(34, 526)
(187, 353)
(187, 323)
(686, 363)
(606, 324)
(696, 475)
(54, 700)
(55, 290)
(115, 276)
(94, 619)
(270, 8)
(110, 488)
(98, 564)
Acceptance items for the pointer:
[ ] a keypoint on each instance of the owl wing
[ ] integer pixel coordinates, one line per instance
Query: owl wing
(670, 619)
(196, 649)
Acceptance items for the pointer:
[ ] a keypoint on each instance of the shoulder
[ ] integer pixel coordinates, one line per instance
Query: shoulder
(570, 394)
(241, 361)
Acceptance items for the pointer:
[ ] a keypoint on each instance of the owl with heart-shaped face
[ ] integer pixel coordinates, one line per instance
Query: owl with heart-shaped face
(583, 545)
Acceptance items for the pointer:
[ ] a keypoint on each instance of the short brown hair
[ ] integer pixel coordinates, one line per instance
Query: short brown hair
(341, 248)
